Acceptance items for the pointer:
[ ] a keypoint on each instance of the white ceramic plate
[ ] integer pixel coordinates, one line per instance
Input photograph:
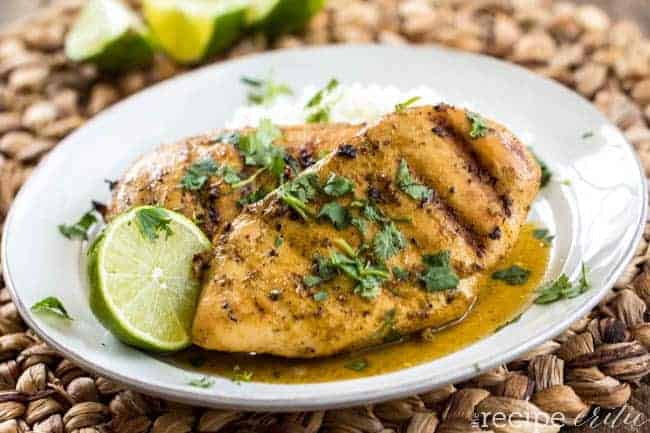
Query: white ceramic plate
(597, 218)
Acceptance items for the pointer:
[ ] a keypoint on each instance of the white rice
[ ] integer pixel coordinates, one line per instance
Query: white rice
(351, 103)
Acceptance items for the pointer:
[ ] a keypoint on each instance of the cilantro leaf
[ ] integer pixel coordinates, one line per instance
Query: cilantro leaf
(258, 149)
(311, 280)
(151, 221)
(408, 185)
(360, 225)
(201, 382)
(240, 375)
(299, 192)
(479, 125)
(264, 92)
(51, 305)
(79, 230)
(321, 296)
(547, 175)
(388, 242)
(402, 106)
(438, 274)
(318, 108)
(401, 274)
(252, 197)
(562, 288)
(198, 174)
(543, 235)
(514, 275)
(367, 276)
(229, 137)
(337, 214)
(357, 365)
(336, 185)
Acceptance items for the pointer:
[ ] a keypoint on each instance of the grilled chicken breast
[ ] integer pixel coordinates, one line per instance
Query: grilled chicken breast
(384, 237)
(156, 177)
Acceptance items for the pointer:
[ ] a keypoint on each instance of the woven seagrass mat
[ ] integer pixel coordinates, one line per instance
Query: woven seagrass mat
(599, 365)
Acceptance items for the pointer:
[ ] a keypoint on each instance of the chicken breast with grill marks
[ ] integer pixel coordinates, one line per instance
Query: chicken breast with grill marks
(155, 178)
(355, 249)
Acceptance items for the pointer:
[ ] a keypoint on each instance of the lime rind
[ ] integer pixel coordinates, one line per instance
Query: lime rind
(281, 16)
(110, 35)
(190, 30)
(143, 291)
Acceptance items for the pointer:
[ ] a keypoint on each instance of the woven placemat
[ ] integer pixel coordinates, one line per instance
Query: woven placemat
(597, 366)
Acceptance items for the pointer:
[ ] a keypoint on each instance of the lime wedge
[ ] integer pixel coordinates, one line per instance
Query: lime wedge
(281, 16)
(190, 30)
(143, 288)
(110, 35)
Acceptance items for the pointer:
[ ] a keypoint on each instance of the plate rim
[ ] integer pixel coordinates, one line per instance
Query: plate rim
(285, 403)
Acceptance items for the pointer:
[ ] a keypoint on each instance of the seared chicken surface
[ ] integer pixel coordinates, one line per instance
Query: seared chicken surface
(156, 178)
(384, 237)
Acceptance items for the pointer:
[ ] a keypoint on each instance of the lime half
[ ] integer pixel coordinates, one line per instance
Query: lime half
(190, 30)
(110, 35)
(143, 287)
(281, 16)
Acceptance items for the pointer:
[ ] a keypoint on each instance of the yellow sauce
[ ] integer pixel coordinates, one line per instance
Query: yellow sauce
(498, 304)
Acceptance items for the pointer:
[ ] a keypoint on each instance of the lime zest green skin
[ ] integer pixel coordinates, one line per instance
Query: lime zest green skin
(131, 50)
(228, 30)
(286, 16)
(103, 309)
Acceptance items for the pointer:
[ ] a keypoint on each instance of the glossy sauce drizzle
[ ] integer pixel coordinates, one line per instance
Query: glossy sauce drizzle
(498, 304)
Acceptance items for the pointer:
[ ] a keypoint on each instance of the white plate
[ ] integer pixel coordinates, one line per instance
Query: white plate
(597, 218)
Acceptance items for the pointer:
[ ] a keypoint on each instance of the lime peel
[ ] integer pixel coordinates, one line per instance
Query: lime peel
(143, 290)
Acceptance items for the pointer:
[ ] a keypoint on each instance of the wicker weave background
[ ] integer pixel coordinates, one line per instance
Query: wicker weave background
(600, 364)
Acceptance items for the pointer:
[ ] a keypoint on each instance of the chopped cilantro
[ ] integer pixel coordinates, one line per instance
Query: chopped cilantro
(402, 106)
(387, 332)
(239, 375)
(562, 288)
(360, 225)
(321, 296)
(264, 92)
(336, 185)
(198, 174)
(252, 197)
(546, 172)
(300, 191)
(400, 274)
(408, 185)
(318, 107)
(514, 275)
(278, 242)
(337, 214)
(229, 137)
(438, 274)
(79, 230)
(51, 305)
(357, 365)
(388, 242)
(258, 149)
(201, 382)
(543, 235)
(479, 126)
(312, 280)
(367, 276)
(151, 221)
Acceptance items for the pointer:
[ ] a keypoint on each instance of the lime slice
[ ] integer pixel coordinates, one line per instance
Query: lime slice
(190, 30)
(143, 289)
(110, 35)
(281, 16)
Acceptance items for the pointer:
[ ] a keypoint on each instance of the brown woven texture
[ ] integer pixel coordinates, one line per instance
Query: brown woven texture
(598, 365)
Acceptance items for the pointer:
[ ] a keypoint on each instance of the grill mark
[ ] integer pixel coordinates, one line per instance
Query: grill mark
(473, 163)
(473, 239)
